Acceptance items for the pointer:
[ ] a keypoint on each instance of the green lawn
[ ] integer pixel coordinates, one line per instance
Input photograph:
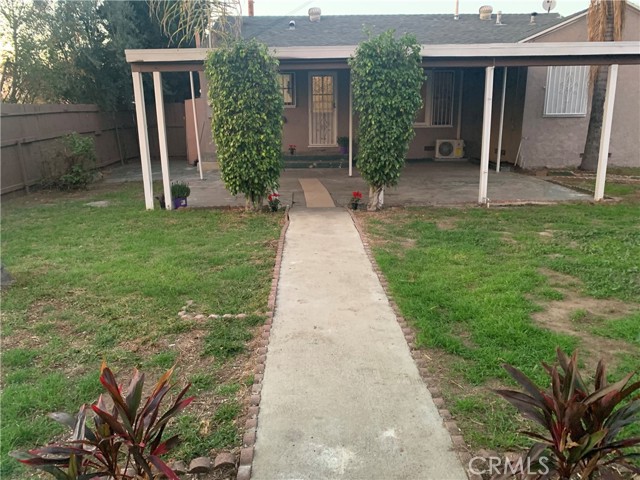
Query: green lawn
(94, 283)
(480, 287)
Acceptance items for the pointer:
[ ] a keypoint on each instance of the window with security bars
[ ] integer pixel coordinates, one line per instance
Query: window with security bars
(288, 89)
(567, 91)
(437, 99)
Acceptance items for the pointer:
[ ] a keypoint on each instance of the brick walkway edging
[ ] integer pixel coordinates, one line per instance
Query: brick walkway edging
(251, 424)
(459, 444)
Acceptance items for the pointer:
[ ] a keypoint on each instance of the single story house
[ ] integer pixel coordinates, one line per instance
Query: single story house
(546, 109)
(535, 112)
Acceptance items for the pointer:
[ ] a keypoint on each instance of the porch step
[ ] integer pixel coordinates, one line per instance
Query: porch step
(314, 161)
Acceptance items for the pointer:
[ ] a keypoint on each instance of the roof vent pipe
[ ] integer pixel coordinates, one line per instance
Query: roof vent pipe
(314, 14)
(485, 12)
(499, 18)
(292, 25)
(533, 18)
(457, 16)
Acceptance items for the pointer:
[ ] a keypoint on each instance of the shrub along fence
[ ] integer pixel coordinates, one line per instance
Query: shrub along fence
(31, 137)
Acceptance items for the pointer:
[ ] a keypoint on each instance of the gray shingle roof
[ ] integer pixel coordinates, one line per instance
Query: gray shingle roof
(429, 29)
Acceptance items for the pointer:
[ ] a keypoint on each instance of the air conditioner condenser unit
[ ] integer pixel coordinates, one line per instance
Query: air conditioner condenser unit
(446, 149)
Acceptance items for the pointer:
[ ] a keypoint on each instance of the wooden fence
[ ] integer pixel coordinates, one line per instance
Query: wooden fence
(30, 137)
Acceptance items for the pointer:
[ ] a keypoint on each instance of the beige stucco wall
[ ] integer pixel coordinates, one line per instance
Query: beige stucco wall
(296, 126)
(296, 118)
(559, 142)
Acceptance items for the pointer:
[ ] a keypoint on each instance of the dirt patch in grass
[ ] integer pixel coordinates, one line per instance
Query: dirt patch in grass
(447, 223)
(507, 237)
(236, 372)
(575, 312)
(469, 404)
(385, 217)
(42, 314)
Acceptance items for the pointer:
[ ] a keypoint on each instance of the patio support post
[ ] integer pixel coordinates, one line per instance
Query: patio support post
(504, 93)
(143, 138)
(605, 137)
(350, 127)
(486, 135)
(195, 125)
(162, 138)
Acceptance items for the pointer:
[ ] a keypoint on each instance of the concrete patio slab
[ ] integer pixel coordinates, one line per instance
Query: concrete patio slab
(432, 183)
(341, 396)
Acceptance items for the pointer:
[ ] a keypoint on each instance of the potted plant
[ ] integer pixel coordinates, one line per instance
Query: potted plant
(179, 193)
(355, 199)
(292, 149)
(343, 143)
(274, 201)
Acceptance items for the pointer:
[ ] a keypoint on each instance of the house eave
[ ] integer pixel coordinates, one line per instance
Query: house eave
(496, 54)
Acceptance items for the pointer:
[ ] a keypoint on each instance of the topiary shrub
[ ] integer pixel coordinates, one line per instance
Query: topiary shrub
(386, 81)
(247, 118)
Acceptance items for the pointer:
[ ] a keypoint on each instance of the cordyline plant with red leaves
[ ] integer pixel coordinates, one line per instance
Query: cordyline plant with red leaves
(126, 441)
(583, 428)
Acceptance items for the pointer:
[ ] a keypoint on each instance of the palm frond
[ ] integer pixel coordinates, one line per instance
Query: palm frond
(186, 20)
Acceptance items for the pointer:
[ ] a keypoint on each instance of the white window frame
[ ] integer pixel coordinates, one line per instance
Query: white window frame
(565, 103)
(428, 111)
(293, 88)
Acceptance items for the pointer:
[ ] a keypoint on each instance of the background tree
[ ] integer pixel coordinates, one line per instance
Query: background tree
(386, 82)
(605, 20)
(247, 118)
(73, 52)
(24, 30)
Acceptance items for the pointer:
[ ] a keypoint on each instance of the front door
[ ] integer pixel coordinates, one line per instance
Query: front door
(322, 110)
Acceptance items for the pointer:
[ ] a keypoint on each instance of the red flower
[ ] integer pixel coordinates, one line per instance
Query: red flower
(273, 196)
(357, 195)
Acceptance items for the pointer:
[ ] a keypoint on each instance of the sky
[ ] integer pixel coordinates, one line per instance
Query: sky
(353, 7)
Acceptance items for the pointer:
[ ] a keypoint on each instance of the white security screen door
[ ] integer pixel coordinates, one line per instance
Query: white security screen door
(322, 109)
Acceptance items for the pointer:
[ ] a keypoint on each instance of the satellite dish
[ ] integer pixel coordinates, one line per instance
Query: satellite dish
(548, 5)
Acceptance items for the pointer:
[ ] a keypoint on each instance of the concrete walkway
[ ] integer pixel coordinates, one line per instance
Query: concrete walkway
(341, 396)
(315, 193)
